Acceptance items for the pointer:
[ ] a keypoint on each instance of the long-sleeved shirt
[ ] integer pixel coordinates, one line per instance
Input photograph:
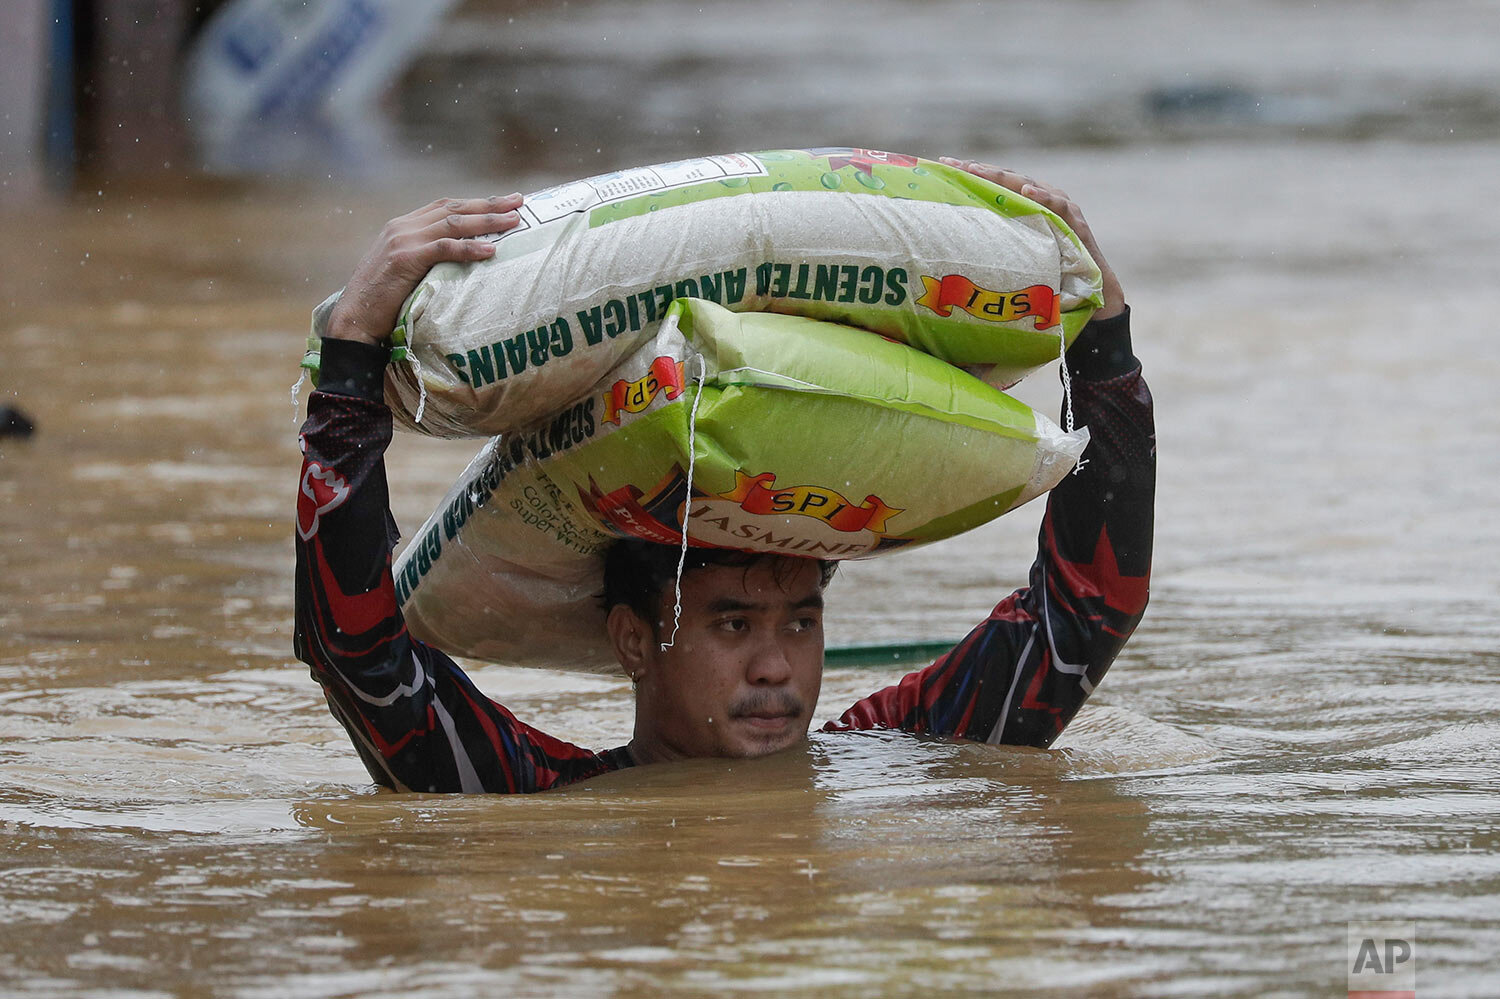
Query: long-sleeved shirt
(420, 724)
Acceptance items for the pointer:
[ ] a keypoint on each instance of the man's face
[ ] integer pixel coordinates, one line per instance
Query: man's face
(742, 676)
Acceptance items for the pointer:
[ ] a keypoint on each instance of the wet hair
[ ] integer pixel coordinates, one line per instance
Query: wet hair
(638, 573)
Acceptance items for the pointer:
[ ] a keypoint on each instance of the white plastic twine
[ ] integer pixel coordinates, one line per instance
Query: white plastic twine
(404, 329)
(1062, 356)
(687, 507)
(1067, 380)
(296, 391)
(416, 370)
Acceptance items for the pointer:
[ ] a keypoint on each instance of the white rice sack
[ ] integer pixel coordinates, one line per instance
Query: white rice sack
(913, 250)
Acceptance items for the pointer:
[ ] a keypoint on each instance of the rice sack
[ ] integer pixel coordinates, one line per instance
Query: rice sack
(759, 432)
(914, 250)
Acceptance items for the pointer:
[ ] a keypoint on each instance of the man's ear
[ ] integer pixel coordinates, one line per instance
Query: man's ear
(632, 639)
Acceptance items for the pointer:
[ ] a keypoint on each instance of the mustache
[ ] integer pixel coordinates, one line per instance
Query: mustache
(763, 702)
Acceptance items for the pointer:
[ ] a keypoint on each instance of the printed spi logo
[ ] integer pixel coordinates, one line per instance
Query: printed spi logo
(865, 160)
(665, 375)
(943, 295)
(754, 515)
(758, 494)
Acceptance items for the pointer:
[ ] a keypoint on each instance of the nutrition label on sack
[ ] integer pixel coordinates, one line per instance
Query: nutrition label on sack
(565, 199)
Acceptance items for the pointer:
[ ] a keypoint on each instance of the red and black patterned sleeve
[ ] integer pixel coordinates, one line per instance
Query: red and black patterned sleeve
(417, 720)
(1021, 675)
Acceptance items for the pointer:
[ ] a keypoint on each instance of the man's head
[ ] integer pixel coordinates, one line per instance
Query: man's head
(741, 677)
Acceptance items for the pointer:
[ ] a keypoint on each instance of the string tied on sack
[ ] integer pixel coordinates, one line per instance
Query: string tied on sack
(416, 371)
(402, 350)
(1067, 380)
(296, 392)
(687, 506)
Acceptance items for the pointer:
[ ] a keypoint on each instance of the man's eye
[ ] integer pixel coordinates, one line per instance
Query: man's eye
(734, 624)
(805, 624)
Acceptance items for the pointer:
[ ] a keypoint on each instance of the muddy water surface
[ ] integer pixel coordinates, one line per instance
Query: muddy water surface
(1305, 731)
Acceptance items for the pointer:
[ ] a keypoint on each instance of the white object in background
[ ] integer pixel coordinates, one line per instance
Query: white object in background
(289, 84)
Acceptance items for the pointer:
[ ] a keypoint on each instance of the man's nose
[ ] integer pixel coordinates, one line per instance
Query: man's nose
(770, 663)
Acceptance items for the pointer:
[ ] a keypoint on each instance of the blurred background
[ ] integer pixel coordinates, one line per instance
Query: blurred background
(1300, 199)
(368, 88)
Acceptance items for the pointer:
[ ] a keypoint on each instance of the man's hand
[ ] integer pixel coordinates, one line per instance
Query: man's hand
(1060, 204)
(406, 250)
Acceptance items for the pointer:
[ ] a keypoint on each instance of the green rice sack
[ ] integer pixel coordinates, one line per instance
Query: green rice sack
(914, 250)
(762, 432)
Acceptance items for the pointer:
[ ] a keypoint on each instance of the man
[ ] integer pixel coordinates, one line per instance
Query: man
(737, 672)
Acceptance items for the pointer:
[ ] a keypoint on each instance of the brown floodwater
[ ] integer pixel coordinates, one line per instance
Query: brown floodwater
(1304, 732)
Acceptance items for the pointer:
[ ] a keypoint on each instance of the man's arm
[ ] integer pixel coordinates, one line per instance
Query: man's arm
(418, 722)
(1021, 675)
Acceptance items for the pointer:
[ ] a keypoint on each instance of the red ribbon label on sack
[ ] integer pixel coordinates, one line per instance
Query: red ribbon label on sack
(753, 516)
(954, 290)
(865, 160)
(757, 494)
(665, 375)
